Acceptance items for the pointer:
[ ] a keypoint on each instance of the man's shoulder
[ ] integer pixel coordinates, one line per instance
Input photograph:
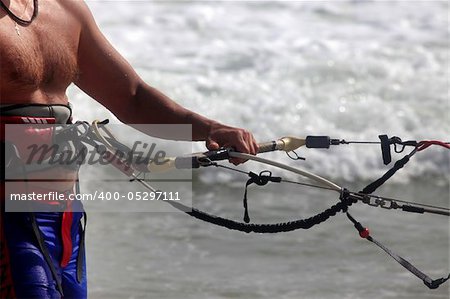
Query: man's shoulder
(78, 8)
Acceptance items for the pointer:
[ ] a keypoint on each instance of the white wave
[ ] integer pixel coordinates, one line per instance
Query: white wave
(352, 70)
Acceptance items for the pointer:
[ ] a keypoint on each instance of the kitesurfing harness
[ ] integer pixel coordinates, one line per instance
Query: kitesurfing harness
(38, 125)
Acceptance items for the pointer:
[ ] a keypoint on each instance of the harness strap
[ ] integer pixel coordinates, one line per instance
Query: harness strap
(61, 113)
(429, 282)
(81, 255)
(45, 253)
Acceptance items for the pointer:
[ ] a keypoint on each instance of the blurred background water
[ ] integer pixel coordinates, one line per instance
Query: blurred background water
(348, 69)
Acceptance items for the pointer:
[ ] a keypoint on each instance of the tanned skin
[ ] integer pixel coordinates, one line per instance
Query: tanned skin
(63, 45)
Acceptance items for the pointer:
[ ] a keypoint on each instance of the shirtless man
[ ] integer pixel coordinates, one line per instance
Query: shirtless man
(38, 61)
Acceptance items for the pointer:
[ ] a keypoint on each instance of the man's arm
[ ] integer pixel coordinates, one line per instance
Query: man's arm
(107, 77)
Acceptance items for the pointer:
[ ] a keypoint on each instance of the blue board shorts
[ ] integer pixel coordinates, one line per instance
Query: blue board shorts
(25, 272)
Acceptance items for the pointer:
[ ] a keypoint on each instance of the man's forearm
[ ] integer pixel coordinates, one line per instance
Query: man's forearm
(150, 106)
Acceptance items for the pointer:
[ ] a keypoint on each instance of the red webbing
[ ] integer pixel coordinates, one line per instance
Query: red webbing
(427, 143)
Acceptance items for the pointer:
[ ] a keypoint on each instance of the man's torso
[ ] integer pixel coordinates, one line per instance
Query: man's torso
(39, 61)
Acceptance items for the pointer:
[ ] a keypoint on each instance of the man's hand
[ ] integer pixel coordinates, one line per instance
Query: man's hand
(236, 138)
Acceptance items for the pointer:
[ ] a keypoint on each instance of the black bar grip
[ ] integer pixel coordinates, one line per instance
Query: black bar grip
(317, 141)
(220, 154)
(202, 159)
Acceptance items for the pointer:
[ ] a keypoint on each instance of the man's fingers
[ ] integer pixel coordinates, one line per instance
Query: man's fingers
(248, 143)
(212, 145)
(239, 139)
(236, 161)
(253, 146)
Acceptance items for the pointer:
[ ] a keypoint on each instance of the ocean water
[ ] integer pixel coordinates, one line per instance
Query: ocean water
(347, 69)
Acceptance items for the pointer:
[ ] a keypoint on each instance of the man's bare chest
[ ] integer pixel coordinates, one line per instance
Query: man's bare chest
(43, 54)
